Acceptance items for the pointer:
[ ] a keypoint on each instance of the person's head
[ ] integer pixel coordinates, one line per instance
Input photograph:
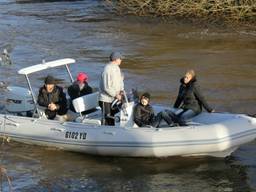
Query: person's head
(49, 83)
(145, 99)
(81, 78)
(116, 58)
(189, 75)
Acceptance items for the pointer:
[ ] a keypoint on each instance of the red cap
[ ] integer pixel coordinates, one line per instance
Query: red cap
(82, 77)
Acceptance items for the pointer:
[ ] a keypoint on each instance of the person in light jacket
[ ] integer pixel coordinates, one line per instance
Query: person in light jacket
(111, 87)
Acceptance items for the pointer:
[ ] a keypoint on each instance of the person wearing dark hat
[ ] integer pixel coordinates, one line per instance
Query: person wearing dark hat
(111, 87)
(79, 88)
(143, 112)
(52, 98)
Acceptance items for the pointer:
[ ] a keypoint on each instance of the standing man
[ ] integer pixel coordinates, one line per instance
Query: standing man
(111, 87)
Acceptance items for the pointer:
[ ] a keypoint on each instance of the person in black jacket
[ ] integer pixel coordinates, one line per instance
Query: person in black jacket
(79, 88)
(190, 98)
(143, 111)
(53, 98)
(144, 115)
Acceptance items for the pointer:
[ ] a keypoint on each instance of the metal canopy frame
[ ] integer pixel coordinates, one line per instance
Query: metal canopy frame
(43, 66)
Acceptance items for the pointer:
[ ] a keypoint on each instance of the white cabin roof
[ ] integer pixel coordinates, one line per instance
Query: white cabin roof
(46, 65)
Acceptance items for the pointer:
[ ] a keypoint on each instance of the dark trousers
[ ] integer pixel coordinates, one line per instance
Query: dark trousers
(167, 117)
(107, 113)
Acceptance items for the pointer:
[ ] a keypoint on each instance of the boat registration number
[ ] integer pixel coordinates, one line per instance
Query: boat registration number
(75, 135)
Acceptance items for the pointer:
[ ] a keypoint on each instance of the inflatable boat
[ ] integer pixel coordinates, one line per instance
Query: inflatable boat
(208, 134)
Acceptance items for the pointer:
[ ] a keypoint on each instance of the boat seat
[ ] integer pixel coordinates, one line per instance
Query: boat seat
(86, 102)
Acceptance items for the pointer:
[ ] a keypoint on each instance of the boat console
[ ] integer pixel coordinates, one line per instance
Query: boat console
(88, 102)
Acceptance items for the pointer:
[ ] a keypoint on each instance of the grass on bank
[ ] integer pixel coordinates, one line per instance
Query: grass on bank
(209, 10)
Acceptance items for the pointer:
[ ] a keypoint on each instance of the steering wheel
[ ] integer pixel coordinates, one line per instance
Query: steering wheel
(116, 105)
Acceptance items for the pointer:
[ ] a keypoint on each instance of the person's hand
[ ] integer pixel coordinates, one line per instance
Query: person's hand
(119, 97)
(52, 107)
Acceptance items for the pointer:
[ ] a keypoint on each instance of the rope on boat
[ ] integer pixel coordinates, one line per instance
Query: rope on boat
(3, 174)
(3, 171)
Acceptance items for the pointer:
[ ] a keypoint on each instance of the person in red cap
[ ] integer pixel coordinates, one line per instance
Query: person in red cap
(79, 88)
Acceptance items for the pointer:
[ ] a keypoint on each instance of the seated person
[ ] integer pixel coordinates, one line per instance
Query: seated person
(53, 98)
(189, 99)
(79, 88)
(143, 112)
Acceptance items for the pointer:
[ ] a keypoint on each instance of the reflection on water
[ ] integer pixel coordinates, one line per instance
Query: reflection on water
(157, 54)
(40, 169)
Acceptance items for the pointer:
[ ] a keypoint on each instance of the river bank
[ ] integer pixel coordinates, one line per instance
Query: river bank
(223, 12)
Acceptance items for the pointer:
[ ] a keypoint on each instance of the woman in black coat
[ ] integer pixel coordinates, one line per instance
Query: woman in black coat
(190, 98)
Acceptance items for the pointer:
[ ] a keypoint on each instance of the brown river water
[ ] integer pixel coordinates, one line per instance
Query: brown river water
(157, 53)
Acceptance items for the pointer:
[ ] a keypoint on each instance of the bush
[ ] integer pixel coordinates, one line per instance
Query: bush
(211, 10)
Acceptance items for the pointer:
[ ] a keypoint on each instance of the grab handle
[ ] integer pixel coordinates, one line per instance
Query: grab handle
(109, 132)
(57, 129)
(11, 122)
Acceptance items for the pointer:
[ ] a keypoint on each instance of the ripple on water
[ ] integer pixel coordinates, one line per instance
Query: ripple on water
(157, 55)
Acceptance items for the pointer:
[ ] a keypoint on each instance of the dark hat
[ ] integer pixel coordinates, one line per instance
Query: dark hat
(49, 80)
(146, 94)
(115, 55)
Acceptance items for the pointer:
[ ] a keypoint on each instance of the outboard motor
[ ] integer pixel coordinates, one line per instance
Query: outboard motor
(19, 101)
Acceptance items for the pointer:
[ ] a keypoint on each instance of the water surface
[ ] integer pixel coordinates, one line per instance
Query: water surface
(157, 54)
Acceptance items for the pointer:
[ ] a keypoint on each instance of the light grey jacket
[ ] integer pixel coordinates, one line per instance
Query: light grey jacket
(111, 82)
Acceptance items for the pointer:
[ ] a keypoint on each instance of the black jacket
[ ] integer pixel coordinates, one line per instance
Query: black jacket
(57, 96)
(143, 115)
(191, 98)
(75, 92)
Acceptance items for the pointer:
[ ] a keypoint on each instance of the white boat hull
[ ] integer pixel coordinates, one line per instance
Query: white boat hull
(219, 137)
